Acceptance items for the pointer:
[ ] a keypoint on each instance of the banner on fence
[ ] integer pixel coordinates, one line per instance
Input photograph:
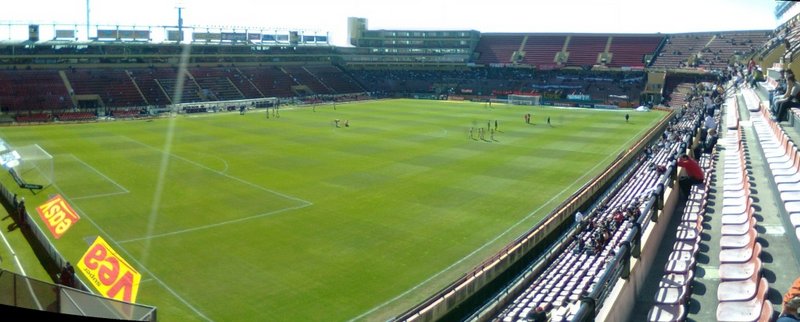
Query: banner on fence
(57, 215)
(109, 272)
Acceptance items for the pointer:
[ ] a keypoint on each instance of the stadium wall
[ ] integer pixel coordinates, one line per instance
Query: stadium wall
(449, 303)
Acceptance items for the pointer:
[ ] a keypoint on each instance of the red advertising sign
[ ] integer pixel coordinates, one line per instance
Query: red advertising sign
(57, 215)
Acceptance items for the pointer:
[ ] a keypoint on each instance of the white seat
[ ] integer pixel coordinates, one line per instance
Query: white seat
(742, 290)
(740, 271)
(667, 313)
(740, 255)
(738, 229)
(737, 241)
(736, 219)
(671, 295)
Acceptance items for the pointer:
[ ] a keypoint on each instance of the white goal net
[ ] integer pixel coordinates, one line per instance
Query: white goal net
(524, 99)
(36, 165)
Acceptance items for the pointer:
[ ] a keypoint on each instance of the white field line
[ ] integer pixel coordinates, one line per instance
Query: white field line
(274, 212)
(131, 258)
(100, 195)
(401, 295)
(122, 188)
(100, 173)
(22, 271)
(303, 201)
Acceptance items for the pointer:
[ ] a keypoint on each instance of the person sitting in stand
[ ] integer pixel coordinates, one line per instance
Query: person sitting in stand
(694, 174)
(590, 247)
(580, 247)
(618, 218)
(789, 311)
(789, 98)
(707, 145)
(537, 315)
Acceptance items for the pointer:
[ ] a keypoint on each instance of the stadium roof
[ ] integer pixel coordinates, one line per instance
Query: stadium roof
(607, 16)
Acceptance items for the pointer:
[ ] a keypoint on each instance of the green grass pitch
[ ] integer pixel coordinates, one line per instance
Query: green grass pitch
(234, 217)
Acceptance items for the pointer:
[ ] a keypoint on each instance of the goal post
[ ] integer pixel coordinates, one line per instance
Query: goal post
(516, 99)
(35, 165)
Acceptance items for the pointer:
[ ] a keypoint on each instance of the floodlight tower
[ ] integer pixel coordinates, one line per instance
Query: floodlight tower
(180, 23)
(87, 20)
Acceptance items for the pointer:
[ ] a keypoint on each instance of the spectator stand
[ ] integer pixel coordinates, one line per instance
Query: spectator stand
(752, 245)
(675, 280)
(584, 273)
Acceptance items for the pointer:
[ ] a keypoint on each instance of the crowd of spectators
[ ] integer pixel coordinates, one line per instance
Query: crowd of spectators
(599, 229)
(555, 84)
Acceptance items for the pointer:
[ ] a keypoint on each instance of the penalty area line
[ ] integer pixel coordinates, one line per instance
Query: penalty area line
(100, 195)
(303, 201)
(98, 172)
(222, 223)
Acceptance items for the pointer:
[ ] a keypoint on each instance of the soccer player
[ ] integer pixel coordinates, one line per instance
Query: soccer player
(627, 116)
(495, 125)
(470, 133)
(548, 121)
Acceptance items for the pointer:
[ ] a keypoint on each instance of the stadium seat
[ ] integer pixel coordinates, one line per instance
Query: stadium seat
(671, 295)
(737, 218)
(679, 266)
(740, 271)
(676, 279)
(749, 310)
(667, 313)
(740, 255)
(737, 241)
(738, 229)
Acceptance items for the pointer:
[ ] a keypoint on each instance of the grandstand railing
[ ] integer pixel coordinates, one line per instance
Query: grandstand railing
(27, 293)
(444, 301)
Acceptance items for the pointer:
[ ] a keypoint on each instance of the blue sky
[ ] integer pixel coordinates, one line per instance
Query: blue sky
(325, 16)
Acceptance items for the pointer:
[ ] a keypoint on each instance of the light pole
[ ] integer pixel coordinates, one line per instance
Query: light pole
(180, 24)
(87, 20)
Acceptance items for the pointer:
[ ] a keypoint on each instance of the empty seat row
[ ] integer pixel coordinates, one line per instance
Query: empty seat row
(674, 288)
(783, 158)
(741, 283)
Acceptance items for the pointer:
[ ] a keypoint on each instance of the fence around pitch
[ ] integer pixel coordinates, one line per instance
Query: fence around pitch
(24, 292)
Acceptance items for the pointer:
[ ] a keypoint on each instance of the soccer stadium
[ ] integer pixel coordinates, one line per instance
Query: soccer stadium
(201, 173)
